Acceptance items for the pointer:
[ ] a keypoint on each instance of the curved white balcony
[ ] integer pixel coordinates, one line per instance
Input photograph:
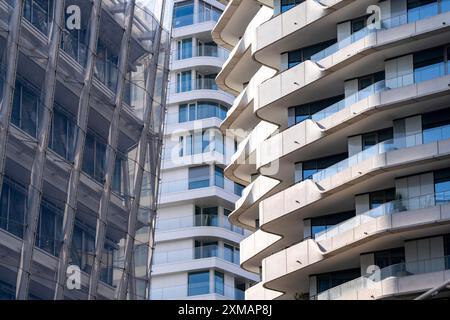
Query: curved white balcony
(297, 27)
(407, 278)
(425, 217)
(233, 22)
(247, 207)
(199, 90)
(240, 115)
(242, 164)
(188, 227)
(240, 66)
(334, 124)
(303, 82)
(185, 260)
(346, 178)
(211, 57)
(180, 190)
(255, 248)
(258, 292)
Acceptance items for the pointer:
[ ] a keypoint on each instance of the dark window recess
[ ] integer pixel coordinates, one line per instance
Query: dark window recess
(436, 126)
(378, 198)
(289, 4)
(367, 81)
(296, 57)
(301, 113)
(447, 251)
(428, 57)
(324, 223)
(389, 257)
(334, 279)
(442, 186)
(373, 138)
(312, 167)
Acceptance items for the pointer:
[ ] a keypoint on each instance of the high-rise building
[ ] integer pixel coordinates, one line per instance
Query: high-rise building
(197, 249)
(347, 161)
(83, 88)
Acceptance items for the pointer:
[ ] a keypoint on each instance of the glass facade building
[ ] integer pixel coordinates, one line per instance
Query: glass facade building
(88, 91)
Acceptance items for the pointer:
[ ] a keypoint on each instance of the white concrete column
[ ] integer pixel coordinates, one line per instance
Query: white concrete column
(362, 203)
(344, 30)
(354, 145)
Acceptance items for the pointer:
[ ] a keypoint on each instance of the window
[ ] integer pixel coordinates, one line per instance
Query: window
(239, 289)
(49, 230)
(184, 81)
(289, 4)
(207, 217)
(447, 251)
(198, 283)
(199, 177)
(7, 291)
(204, 249)
(208, 12)
(218, 177)
(366, 84)
(298, 56)
(430, 64)
(421, 9)
(334, 279)
(231, 253)
(12, 207)
(183, 14)
(26, 108)
(309, 168)
(39, 13)
(442, 186)
(301, 113)
(436, 126)
(201, 110)
(238, 189)
(219, 283)
(390, 257)
(324, 223)
(378, 198)
(184, 49)
(371, 139)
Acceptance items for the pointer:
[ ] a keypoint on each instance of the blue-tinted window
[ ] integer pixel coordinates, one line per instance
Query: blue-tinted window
(183, 14)
(289, 4)
(324, 223)
(199, 177)
(218, 177)
(436, 126)
(219, 283)
(198, 283)
(442, 185)
(334, 279)
(421, 9)
(238, 189)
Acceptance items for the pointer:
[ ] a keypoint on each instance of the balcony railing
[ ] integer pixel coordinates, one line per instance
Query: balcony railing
(190, 85)
(417, 76)
(183, 185)
(352, 99)
(203, 252)
(419, 13)
(184, 291)
(386, 209)
(202, 51)
(375, 281)
(383, 147)
(190, 19)
(192, 221)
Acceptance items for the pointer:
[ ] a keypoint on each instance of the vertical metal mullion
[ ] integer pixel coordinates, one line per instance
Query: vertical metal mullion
(12, 56)
(111, 153)
(142, 149)
(37, 170)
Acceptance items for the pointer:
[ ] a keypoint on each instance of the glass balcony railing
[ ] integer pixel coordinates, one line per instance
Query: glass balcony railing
(184, 291)
(183, 185)
(202, 51)
(383, 147)
(191, 221)
(199, 84)
(386, 209)
(419, 75)
(352, 99)
(203, 252)
(190, 19)
(375, 281)
(413, 15)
